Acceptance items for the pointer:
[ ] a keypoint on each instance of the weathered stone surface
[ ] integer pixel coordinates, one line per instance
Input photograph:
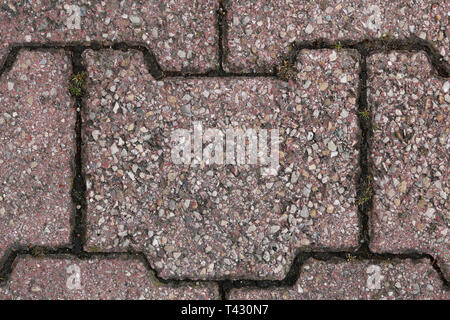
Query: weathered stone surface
(37, 134)
(342, 280)
(212, 214)
(221, 220)
(94, 279)
(181, 34)
(410, 152)
(260, 32)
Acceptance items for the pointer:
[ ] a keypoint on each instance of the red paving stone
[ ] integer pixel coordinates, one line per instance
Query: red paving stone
(104, 279)
(410, 156)
(37, 148)
(219, 221)
(222, 220)
(181, 34)
(260, 32)
(342, 280)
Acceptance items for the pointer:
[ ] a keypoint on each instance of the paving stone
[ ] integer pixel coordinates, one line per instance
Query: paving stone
(221, 220)
(95, 279)
(410, 156)
(342, 280)
(181, 34)
(259, 32)
(37, 132)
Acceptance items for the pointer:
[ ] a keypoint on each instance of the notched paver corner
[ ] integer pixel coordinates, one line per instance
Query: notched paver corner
(258, 33)
(37, 135)
(94, 279)
(181, 34)
(410, 151)
(220, 220)
(351, 280)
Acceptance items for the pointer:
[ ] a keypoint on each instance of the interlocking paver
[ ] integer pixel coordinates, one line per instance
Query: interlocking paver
(410, 155)
(96, 278)
(212, 221)
(259, 32)
(181, 34)
(224, 177)
(37, 137)
(398, 279)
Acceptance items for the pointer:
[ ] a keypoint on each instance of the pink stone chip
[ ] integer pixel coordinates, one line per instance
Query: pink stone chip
(181, 34)
(37, 134)
(341, 280)
(410, 154)
(259, 32)
(94, 279)
(221, 220)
